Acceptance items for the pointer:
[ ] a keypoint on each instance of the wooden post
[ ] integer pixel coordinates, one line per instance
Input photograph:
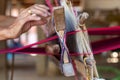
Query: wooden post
(41, 60)
(3, 60)
(3, 65)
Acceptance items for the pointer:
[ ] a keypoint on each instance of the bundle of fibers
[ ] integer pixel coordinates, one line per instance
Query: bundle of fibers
(74, 42)
(78, 43)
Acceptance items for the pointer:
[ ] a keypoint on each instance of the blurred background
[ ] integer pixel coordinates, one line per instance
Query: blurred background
(103, 13)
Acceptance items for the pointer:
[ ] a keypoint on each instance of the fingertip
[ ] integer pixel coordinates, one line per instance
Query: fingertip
(35, 18)
(44, 6)
(38, 18)
(49, 13)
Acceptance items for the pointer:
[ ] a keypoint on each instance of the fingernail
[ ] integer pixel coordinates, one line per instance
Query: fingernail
(45, 15)
(38, 18)
(47, 7)
(33, 14)
(49, 13)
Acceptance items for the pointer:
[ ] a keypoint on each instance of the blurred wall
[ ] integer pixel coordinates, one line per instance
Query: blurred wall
(102, 4)
(2, 6)
(3, 66)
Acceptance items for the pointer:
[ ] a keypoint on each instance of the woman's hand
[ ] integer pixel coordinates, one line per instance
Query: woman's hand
(34, 15)
(52, 49)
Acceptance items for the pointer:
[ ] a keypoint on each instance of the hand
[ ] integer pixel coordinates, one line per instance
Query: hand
(52, 49)
(34, 15)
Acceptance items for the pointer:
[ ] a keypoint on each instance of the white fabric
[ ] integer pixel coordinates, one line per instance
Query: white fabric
(68, 70)
(98, 79)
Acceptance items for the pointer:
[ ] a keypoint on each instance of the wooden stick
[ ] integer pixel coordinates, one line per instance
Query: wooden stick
(59, 19)
(86, 39)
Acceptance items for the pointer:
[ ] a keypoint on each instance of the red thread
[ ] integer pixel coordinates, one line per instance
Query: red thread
(49, 5)
(43, 41)
(56, 2)
(40, 42)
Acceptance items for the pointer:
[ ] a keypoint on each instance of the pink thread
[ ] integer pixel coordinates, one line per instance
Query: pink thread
(40, 42)
(56, 2)
(49, 5)
(115, 44)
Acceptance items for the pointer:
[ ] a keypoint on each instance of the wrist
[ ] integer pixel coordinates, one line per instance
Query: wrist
(15, 29)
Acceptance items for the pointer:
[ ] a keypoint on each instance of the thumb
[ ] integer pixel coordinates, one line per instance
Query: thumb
(39, 22)
(33, 18)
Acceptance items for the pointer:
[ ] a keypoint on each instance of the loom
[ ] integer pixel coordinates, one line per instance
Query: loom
(72, 26)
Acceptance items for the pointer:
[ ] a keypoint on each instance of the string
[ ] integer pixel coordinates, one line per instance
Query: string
(43, 41)
(49, 5)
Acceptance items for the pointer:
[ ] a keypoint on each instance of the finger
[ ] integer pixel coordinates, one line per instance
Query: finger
(26, 28)
(56, 48)
(49, 49)
(40, 22)
(42, 9)
(33, 17)
(43, 6)
(38, 12)
(29, 24)
(39, 8)
(30, 18)
(35, 9)
(26, 16)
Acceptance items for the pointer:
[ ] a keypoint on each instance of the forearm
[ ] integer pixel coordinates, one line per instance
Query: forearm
(7, 33)
(15, 30)
(11, 31)
(5, 23)
(3, 33)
